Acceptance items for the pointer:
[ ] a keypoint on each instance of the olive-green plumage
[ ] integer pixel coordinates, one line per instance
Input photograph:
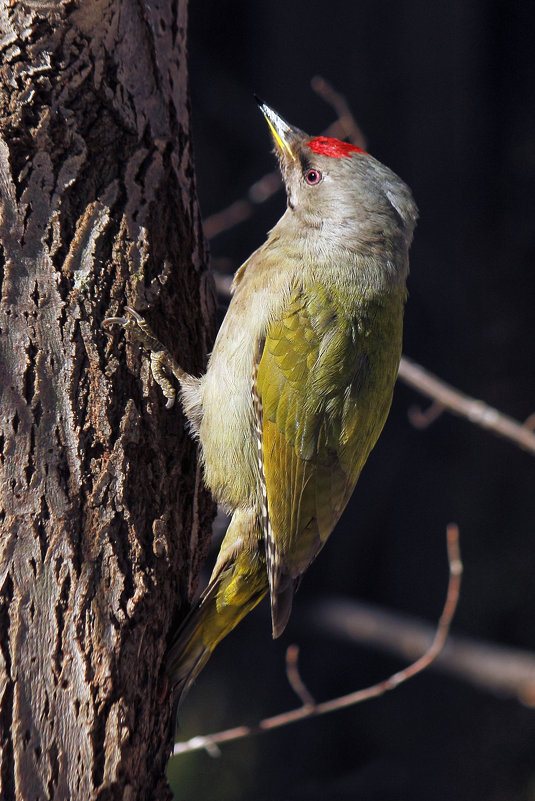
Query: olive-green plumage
(300, 380)
(324, 404)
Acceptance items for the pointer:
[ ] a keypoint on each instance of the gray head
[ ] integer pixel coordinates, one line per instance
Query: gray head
(342, 192)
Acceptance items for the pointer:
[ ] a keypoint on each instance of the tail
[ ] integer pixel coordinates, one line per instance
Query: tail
(233, 592)
(191, 648)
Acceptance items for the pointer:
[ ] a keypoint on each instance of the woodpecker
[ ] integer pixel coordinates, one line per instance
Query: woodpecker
(300, 380)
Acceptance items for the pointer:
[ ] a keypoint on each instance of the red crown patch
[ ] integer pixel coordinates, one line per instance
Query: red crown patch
(327, 146)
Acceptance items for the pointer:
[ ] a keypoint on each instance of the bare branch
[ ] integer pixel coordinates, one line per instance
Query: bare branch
(529, 423)
(338, 102)
(259, 192)
(506, 671)
(210, 742)
(446, 397)
(443, 395)
(462, 405)
(223, 280)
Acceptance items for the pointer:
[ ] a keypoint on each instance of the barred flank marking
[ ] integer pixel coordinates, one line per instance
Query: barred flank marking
(272, 556)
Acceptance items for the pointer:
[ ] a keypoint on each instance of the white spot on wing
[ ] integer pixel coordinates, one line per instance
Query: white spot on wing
(272, 554)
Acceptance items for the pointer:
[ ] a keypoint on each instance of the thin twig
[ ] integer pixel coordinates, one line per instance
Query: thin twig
(223, 283)
(443, 395)
(446, 397)
(294, 677)
(210, 742)
(422, 419)
(508, 672)
(338, 102)
(345, 127)
(462, 405)
(259, 192)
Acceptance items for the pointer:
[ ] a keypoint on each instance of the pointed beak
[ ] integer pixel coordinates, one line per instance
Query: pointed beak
(283, 133)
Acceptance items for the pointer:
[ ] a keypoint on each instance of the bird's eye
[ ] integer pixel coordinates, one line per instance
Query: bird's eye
(312, 177)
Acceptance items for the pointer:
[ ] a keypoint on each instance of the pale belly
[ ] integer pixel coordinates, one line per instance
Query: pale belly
(227, 432)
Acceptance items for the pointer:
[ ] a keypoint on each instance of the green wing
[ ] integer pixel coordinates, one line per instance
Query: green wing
(322, 411)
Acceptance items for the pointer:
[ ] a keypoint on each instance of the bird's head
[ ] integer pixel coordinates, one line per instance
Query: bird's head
(339, 190)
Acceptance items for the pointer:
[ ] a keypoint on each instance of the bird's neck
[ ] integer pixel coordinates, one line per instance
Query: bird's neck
(376, 260)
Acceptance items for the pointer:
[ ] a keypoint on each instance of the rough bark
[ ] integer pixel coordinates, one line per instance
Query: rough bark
(103, 521)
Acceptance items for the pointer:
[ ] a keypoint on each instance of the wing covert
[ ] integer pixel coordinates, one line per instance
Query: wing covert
(308, 380)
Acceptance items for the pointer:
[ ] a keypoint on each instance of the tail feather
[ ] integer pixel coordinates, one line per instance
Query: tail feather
(281, 603)
(189, 653)
(233, 592)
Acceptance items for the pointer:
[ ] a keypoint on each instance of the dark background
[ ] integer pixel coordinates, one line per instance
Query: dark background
(444, 94)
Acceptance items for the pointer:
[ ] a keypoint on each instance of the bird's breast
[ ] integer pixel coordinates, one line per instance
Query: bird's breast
(228, 431)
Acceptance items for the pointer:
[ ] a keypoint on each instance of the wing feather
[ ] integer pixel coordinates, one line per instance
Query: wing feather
(306, 372)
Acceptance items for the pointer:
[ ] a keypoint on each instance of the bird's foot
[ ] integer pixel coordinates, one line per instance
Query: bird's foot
(163, 365)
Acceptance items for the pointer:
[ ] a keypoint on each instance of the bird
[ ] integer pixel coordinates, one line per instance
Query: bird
(299, 382)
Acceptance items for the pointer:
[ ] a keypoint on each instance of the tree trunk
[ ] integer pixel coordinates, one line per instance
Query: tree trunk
(103, 520)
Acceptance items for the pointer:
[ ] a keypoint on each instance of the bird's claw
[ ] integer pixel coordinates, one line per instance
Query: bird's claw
(163, 366)
(137, 327)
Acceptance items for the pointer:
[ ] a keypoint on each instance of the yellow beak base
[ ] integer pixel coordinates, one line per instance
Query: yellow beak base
(279, 128)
